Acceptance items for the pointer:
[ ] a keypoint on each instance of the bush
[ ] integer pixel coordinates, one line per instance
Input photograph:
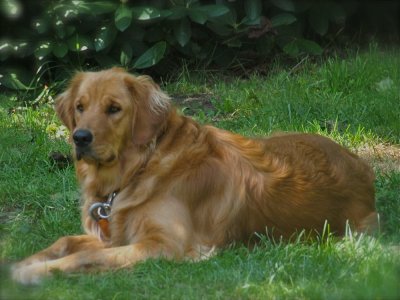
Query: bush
(44, 39)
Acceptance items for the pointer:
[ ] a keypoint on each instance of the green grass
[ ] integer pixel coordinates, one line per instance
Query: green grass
(355, 101)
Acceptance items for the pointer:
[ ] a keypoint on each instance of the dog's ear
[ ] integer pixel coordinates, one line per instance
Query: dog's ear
(151, 108)
(64, 105)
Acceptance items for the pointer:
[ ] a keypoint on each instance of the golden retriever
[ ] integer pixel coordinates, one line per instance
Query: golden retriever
(157, 184)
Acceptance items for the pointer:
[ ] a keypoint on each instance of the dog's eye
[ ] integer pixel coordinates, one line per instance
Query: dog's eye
(79, 107)
(112, 109)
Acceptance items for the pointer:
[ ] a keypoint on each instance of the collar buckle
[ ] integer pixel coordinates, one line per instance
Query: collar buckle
(102, 210)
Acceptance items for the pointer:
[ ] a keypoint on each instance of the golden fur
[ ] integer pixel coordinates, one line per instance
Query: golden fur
(184, 189)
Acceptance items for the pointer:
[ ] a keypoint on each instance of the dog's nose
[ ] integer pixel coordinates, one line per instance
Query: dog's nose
(82, 137)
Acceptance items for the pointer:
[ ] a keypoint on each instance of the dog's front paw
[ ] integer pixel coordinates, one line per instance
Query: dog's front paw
(29, 274)
(26, 262)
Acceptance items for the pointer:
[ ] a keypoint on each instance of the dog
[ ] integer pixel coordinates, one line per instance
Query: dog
(157, 184)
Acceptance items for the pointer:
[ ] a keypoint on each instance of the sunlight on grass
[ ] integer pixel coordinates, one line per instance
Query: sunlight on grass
(343, 95)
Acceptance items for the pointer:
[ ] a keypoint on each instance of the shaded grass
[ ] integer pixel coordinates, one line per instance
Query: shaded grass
(343, 99)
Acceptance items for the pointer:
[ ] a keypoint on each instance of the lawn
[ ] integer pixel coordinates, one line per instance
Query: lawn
(354, 100)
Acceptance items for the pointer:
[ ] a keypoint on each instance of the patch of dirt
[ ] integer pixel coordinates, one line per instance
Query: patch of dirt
(60, 160)
(192, 104)
(384, 157)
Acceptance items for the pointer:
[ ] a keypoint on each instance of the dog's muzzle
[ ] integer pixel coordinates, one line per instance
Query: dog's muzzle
(82, 140)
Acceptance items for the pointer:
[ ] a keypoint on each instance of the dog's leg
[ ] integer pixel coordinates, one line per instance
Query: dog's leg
(62, 247)
(370, 224)
(92, 259)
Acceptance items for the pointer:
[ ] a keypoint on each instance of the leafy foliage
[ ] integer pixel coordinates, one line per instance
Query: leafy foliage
(44, 39)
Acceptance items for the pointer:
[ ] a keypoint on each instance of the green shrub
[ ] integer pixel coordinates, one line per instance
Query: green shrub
(44, 39)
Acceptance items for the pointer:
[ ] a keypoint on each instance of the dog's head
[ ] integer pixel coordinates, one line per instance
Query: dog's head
(105, 111)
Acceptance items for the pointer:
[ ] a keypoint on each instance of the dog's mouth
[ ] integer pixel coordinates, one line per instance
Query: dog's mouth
(91, 157)
(84, 153)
